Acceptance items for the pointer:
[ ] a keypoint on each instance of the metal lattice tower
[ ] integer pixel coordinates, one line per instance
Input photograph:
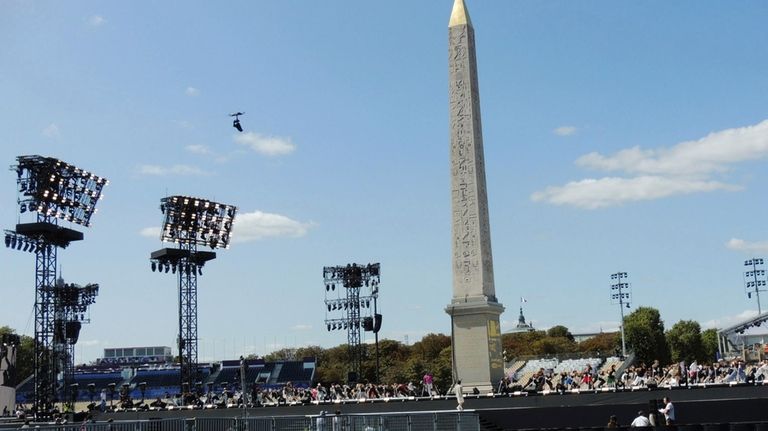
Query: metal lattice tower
(46, 361)
(352, 278)
(189, 222)
(188, 318)
(54, 190)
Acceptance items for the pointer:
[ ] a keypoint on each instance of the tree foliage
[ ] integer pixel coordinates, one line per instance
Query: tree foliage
(559, 331)
(684, 339)
(604, 344)
(521, 343)
(644, 333)
(709, 345)
(25, 354)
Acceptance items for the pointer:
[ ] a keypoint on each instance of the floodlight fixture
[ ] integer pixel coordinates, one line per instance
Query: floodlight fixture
(57, 189)
(190, 220)
(621, 295)
(755, 280)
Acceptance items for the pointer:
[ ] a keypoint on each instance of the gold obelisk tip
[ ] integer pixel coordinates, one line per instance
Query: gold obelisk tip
(459, 15)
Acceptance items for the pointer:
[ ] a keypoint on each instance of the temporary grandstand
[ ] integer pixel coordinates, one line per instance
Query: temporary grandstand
(162, 381)
(746, 339)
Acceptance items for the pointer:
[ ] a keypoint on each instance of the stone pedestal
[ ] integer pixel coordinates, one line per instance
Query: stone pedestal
(477, 355)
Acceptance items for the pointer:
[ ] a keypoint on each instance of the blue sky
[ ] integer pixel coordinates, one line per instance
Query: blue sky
(619, 136)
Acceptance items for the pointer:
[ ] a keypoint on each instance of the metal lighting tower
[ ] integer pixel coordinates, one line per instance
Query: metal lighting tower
(189, 222)
(55, 191)
(755, 280)
(71, 303)
(352, 278)
(621, 294)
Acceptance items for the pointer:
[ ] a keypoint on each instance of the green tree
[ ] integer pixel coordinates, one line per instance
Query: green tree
(553, 346)
(605, 343)
(520, 343)
(392, 357)
(25, 354)
(644, 332)
(285, 354)
(684, 340)
(709, 345)
(559, 331)
(430, 346)
(333, 366)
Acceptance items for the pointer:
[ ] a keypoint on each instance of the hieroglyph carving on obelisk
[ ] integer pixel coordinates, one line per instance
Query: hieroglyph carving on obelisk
(474, 308)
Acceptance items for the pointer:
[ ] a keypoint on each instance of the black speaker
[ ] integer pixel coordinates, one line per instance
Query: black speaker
(368, 324)
(72, 331)
(377, 323)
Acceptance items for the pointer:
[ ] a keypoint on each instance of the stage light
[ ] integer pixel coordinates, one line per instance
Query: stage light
(329, 327)
(173, 268)
(54, 188)
(189, 220)
(154, 266)
(167, 267)
(26, 246)
(8, 240)
(199, 270)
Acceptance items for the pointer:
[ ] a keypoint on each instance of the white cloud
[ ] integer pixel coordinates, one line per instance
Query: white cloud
(157, 170)
(565, 131)
(301, 327)
(266, 145)
(687, 167)
(726, 321)
(192, 92)
(51, 131)
(610, 191)
(710, 154)
(203, 150)
(199, 149)
(749, 247)
(96, 21)
(257, 225)
(150, 232)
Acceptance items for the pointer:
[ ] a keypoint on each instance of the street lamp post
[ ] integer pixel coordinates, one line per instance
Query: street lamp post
(621, 295)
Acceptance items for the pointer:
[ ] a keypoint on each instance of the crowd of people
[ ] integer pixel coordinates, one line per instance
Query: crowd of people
(590, 378)
(634, 376)
(638, 376)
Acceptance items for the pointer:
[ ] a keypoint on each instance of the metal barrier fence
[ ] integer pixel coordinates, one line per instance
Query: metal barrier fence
(416, 421)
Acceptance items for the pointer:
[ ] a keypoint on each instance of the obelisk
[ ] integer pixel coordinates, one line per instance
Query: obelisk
(474, 310)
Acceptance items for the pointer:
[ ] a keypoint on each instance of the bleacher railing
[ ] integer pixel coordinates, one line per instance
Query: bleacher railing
(417, 421)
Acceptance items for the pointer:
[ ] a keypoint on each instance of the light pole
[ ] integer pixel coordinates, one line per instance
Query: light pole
(755, 280)
(622, 295)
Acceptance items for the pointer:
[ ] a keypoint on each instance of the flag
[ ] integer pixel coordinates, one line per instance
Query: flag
(522, 300)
